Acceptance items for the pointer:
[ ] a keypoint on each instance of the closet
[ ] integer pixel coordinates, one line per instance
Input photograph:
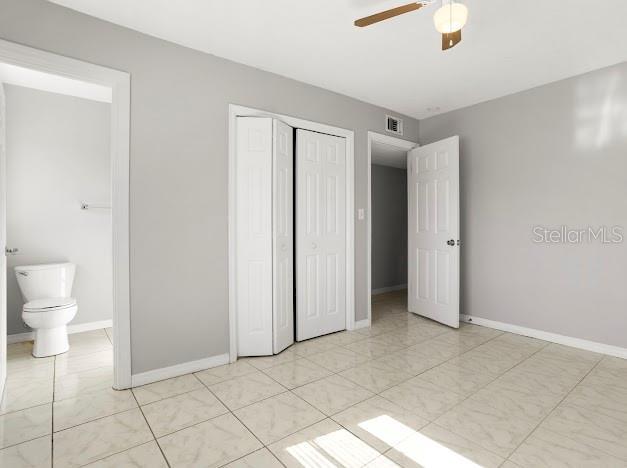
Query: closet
(290, 252)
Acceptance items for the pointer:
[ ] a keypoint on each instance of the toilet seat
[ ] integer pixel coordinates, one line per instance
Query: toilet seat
(49, 304)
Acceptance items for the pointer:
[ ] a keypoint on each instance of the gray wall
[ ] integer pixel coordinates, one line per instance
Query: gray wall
(554, 155)
(389, 226)
(179, 109)
(58, 154)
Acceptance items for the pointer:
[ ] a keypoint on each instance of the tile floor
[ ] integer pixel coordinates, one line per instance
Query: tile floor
(406, 392)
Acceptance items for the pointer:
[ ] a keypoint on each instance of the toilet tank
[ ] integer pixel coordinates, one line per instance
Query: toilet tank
(45, 281)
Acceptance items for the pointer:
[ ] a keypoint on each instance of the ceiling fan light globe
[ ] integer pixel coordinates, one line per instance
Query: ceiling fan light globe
(450, 17)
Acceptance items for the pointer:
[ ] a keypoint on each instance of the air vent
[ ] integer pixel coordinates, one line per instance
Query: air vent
(393, 125)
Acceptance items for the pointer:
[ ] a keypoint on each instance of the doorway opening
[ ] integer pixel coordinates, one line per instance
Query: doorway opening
(433, 225)
(64, 278)
(387, 221)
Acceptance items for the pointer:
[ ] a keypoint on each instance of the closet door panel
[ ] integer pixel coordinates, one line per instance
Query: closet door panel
(254, 261)
(283, 238)
(320, 234)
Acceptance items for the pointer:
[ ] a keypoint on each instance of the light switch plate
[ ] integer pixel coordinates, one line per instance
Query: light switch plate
(360, 214)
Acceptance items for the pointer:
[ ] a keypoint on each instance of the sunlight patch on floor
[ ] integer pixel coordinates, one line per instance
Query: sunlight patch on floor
(328, 450)
(308, 456)
(347, 449)
(421, 449)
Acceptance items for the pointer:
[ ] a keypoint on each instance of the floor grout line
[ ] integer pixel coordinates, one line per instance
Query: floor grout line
(288, 435)
(478, 390)
(154, 438)
(109, 336)
(92, 420)
(554, 408)
(240, 421)
(546, 345)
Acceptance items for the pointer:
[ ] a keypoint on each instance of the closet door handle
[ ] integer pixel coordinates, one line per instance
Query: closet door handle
(314, 246)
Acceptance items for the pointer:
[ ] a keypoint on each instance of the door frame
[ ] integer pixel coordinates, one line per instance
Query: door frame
(243, 111)
(119, 82)
(391, 141)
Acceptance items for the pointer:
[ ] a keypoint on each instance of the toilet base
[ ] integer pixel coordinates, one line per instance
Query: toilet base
(50, 341)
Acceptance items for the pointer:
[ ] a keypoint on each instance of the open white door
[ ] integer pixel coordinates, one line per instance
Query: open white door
(3, 243)
(433, 231)
(320, 234)
(283, 239)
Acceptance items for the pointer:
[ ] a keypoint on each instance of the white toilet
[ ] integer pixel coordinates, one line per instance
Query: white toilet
(48, 307)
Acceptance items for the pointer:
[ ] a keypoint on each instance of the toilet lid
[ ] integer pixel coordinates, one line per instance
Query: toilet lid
(50, 303)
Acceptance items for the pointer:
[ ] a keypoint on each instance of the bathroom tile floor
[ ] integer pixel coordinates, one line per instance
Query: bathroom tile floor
(406, 392)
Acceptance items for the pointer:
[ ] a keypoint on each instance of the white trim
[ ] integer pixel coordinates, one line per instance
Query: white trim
(593, 346)
(78, 328)
(391, 141)
(29, 78)
(398, 287)
(20, 337)
(365, 323)
(119, 82)
(234, 112)
(83, 327)
(179, 369)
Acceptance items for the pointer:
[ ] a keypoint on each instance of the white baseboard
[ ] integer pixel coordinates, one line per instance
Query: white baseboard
(78, 328)
(178, 370)
(365, 323)
(20, 337)
(83, 327)
(398, 287)
(593, 346)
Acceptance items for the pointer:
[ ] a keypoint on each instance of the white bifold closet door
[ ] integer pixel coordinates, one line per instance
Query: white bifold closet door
(433, 231)
(265, 238)
(320, 234)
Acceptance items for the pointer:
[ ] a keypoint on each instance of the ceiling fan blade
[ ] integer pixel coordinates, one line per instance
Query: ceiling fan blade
(387, 14)
(450, 40)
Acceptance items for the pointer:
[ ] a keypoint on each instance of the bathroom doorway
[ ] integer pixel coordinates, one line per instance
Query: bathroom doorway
(64, 156)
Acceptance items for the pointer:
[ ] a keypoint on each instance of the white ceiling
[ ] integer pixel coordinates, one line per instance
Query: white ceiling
(12, 74)
(508, 45)
(387, 155)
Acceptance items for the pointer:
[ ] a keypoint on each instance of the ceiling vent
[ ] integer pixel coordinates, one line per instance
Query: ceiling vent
(393, 125)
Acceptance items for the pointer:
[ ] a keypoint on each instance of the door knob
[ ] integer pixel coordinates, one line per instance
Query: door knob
(314, 245)
(284, 247)
(451, 242)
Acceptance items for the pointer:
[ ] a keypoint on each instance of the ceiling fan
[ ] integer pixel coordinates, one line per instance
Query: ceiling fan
(449, 19)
